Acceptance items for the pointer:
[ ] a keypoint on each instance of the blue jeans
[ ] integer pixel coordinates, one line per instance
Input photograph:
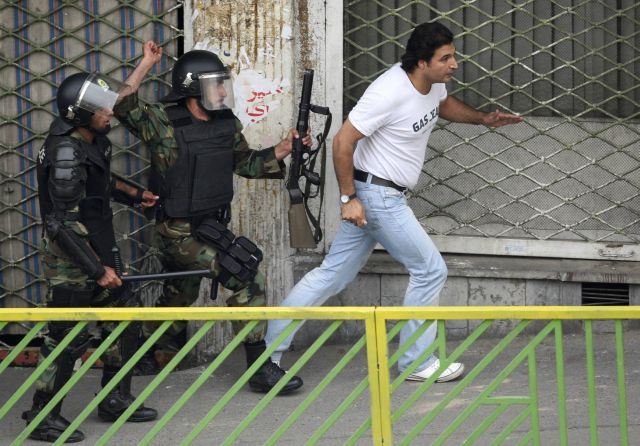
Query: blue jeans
(391, 223)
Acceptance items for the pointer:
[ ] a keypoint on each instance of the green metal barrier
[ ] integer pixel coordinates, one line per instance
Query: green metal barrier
(475, 409)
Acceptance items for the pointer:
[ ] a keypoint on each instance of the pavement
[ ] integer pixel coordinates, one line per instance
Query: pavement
(517, 383)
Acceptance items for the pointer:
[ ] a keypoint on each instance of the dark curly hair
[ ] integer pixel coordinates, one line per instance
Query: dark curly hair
(423, 42)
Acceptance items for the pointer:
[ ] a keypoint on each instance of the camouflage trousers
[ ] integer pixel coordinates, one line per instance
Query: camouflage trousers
(60, 272)
(182, 252)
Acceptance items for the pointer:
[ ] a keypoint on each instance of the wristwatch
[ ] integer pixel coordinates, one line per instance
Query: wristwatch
(344, 199)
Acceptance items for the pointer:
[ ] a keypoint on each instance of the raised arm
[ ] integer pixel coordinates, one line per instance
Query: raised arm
(151, 54)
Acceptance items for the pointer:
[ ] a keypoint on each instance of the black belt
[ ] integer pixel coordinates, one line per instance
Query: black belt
(361, 175)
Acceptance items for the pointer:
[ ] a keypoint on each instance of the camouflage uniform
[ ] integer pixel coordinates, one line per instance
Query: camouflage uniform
(61, 270)
(180, 249)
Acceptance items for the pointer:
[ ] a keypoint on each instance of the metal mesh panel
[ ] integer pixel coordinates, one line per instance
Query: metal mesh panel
(40, 44)
(571, 171)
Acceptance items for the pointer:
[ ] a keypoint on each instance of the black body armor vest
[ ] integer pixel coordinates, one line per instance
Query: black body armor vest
(201, 180)
(95, 210)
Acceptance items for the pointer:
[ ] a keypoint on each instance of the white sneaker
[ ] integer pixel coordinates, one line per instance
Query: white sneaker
(452, 372)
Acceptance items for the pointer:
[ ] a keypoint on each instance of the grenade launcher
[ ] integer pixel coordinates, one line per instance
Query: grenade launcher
(303, 159)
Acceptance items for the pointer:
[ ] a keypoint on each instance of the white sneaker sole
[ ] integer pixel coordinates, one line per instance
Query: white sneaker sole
(443, 378)
(451, 376)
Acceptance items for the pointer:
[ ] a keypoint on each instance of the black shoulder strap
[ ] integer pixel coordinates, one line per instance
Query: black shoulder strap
(322, 147)
(178, 115)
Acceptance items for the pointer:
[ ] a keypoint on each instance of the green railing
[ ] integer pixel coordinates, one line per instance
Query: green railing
(509, 380)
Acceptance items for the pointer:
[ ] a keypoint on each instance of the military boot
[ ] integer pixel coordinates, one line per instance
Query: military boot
(120, 398)
(53, 425)
(269, 373)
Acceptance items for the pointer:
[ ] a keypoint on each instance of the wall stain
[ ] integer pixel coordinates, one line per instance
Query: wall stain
(255, 30)
(305, 37)
(251, 30)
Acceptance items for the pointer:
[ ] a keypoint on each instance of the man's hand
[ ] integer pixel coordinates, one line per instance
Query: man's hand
(151, 55)
(353, 212)
(498, 119)
(109, 279)
(149, 199)
(151, 52)
(284, 147)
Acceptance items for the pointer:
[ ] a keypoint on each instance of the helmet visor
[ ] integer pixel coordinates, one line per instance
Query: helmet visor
(100, 93)
(217, 90)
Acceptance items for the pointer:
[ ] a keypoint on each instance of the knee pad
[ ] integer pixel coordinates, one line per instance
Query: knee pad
(240, 261)
(130, 340)
(213, 232)
(237, 256)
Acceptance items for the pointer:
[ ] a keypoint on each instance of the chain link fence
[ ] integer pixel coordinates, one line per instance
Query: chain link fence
(40, 44)
(571, 172)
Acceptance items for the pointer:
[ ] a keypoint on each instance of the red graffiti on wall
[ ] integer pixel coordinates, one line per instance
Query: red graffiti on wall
(257, 106)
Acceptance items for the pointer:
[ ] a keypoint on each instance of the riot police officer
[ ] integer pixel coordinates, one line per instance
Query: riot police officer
(75, 186)
(196, 146)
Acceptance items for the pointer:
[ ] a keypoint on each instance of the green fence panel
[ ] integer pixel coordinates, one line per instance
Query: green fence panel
(487, 416)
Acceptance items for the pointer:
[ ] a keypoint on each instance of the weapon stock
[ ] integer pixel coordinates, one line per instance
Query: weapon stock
(302, 163)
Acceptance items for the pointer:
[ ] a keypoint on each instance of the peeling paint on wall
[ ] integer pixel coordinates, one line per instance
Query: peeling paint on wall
(303, 22)
(253, 38)
(260, 28)
(223, 54)
(256, 96)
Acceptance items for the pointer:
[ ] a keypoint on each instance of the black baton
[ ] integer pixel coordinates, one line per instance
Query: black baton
(162, 276)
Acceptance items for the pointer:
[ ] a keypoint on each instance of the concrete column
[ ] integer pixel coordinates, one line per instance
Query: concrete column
(267, 44)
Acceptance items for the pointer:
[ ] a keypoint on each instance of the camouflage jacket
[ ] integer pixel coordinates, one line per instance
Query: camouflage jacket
(150, 123)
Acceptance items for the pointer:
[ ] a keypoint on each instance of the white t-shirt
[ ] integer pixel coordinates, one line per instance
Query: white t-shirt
(396, 120)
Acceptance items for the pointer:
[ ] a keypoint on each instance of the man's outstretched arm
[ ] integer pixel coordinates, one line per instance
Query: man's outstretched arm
(455, 110)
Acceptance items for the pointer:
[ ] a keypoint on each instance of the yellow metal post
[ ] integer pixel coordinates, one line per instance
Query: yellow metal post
(378, 380)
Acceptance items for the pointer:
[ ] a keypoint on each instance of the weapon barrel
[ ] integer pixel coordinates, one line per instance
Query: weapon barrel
(168, 275)
(300, 232)
(305, 102)
(302, 126)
